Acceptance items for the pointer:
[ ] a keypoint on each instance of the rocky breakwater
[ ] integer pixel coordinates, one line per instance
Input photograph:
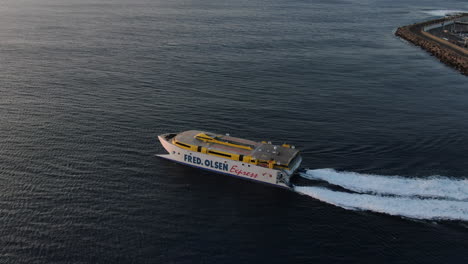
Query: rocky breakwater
(445, 51)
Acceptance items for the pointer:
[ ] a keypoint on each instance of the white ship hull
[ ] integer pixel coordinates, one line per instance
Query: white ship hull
(225, 166)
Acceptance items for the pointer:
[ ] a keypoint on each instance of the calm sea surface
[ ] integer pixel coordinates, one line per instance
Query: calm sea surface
(86, 87)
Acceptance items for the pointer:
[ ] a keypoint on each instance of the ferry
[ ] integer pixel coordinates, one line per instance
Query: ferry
(257, 161)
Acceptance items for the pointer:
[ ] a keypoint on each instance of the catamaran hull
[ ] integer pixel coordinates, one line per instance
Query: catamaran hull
(230, 167)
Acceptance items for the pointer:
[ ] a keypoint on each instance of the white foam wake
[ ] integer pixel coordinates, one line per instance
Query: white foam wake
(443, 12)
(433, 187)
(408, 207)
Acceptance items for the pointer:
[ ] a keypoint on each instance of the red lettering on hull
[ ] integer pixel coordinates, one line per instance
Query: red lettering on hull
(240, 172)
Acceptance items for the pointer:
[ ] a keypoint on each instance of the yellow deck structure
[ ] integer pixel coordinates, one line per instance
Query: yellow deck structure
(224, 146)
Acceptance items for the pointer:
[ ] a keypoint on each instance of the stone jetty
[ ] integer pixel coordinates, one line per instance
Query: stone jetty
(447, 52)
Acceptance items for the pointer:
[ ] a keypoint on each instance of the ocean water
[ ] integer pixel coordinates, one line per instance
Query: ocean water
(86, 87)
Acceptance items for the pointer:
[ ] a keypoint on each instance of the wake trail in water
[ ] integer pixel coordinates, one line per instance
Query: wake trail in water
(433, 187)
(434, 209)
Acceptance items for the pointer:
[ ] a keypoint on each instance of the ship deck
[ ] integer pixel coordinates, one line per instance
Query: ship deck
(260, 151)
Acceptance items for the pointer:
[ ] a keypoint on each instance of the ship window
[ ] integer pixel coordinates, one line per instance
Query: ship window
(169, 136)
(219, 153)
(182, 144)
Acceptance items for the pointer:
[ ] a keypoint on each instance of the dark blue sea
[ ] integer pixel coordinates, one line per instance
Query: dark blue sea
(86, 86)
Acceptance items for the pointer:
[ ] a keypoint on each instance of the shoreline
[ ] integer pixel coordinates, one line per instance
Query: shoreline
(448, 53)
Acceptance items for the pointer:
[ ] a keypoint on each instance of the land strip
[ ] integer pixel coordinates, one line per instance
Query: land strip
(448, 52)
